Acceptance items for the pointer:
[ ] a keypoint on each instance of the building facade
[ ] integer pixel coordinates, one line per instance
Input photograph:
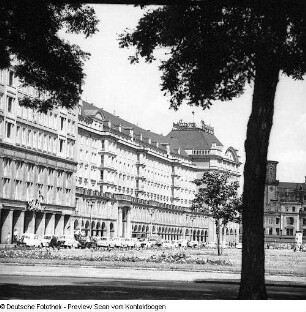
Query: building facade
(285, 208)
(89, 170)
(37, 165)
(133, 182)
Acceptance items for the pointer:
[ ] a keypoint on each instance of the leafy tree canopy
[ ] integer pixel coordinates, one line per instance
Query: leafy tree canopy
(218, 196)
(215, 47)
(29, 40)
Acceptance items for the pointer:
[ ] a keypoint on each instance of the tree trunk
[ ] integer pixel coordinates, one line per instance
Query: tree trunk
(252, 284)
(218, 237)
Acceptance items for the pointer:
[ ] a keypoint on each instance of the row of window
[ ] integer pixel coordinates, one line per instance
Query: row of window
(277, 231)
(37, 140)
(200, 152)
(7, 77)
(20, 190)
(289, 220)
(38, 174)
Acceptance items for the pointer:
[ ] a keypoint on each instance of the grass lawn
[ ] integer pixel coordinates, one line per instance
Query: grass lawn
(279, 262)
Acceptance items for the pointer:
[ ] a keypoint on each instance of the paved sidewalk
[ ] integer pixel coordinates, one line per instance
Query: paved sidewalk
(139, 274)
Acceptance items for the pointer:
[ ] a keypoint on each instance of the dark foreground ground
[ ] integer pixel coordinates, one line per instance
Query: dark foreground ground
(89, 288)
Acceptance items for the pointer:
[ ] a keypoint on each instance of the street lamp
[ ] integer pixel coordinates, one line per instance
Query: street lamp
(151, 212)
(192, 218)
(90, 225)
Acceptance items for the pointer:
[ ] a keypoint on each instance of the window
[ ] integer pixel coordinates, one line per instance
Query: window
(11, 79)
(289, 232)
(18, 135)
(1, 101)
(277, 231)
(277, 221)
(10, 102)
(293, 209)
(9, 128)
(1, 76)
(35, 139)
(304, 221)
(270, 231)
(61, 147)
(290, 220)
(6, 187)
(62, 123)
(29, 137)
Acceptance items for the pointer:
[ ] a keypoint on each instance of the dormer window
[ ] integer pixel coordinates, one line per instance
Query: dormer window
(11, 79)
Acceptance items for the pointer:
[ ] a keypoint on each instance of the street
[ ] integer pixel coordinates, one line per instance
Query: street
(90, 288)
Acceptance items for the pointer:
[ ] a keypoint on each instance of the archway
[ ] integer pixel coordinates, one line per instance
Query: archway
(93, 232)
(76, 225)
(87, 228)
(112, 230)
(104, 232)
(98, 229)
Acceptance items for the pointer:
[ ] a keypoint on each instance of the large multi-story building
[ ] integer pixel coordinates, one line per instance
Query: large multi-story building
(37, 164)
(89, 170)
(285, 207)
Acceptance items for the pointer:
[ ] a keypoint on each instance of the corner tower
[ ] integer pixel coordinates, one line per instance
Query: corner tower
(205, 150)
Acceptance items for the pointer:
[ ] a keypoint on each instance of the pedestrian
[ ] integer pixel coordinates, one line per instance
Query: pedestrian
(15, 237)
(54, 242)
(8, 238)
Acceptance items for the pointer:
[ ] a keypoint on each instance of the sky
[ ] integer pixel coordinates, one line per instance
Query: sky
(133, 93)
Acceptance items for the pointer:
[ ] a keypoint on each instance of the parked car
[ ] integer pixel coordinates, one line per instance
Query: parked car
(183, 243)
(174, 244)
(129, 243)
(166, 244)
(45, 241)
(30, 240)
(105, 242)
(211, 245)
(68, 241)
(118, 241)
(137, 242)
(143, 242)
(224, 245)
(239, 245)
(193, 244)
(86, 242)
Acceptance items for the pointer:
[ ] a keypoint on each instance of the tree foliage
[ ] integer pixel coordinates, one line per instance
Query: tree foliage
(218, 197)
(30, 41)
(214, 47)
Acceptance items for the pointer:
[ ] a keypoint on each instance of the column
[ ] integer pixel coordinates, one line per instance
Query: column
(59, 225)
(119, 222)
(128, 224)
(50, 223)
(107, 229)
(40, 224)
(6, 225)
(68, 225)
(29, 222)
(18, 221)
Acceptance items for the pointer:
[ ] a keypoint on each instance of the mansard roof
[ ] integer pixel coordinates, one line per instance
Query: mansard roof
(194, 138)
(89, 110)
